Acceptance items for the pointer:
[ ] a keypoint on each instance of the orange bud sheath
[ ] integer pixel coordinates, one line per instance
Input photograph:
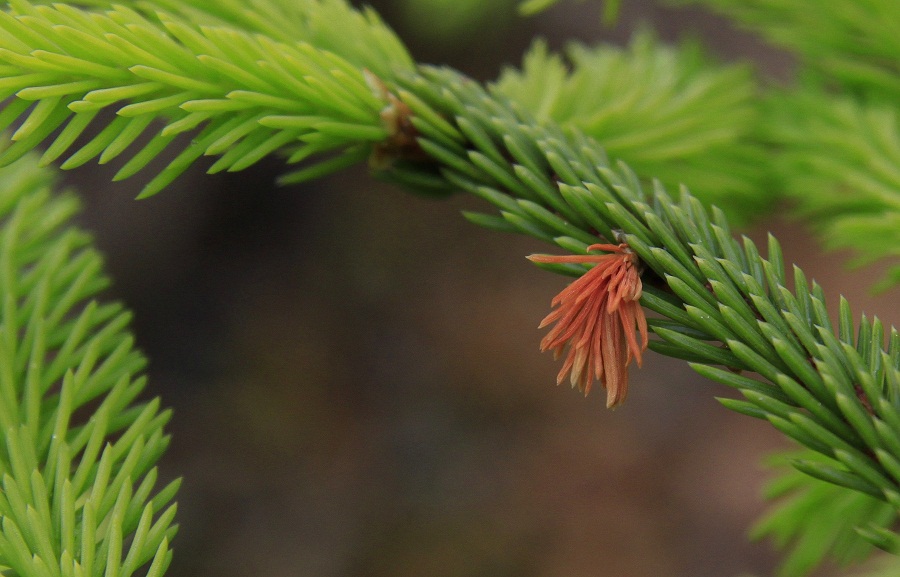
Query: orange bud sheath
(596, 317)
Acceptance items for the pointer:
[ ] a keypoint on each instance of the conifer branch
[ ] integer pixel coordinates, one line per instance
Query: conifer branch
(79, 495)
(358, 36)
(837, 133)
(248, 95)
(854, 44)
(848, 153)
(813, 519)
(667, 111)
(834, 387)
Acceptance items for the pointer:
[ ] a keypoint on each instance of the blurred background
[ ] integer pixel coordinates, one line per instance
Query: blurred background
(356, 379)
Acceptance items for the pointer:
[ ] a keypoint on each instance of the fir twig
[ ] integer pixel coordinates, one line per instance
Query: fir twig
(64, 66)
(666, 111)
(852, 43)
(839, 162)
(832, 387)
(79, 492)
(358, 36)
(837, 133)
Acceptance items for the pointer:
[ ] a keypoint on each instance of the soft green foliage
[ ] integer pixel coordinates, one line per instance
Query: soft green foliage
(814, 518)
(249, 79)
(854, 44)
(248, 95)
(78, 487)
(831, 387)
(667, 112)
(360, 37)
(838, 133)
(841, 163)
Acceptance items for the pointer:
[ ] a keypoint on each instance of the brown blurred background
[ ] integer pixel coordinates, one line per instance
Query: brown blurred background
(356, 379)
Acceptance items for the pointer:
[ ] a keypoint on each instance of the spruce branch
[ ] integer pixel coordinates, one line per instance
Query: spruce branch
(834, 387)
(358, 36)
(242, 96)
(853, 44)
(837, 132)
(78, 493)
(666, 111)
(812, 518)
(839, 162)
(831, 386)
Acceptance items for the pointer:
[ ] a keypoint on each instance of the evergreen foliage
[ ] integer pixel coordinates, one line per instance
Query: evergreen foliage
(815, 518)
(831, 387)
(246, 80)
(838, 130)
(65, 66)
(851, 44)
(667, 112)
(357, 36)
(840, 161)
(79, 448)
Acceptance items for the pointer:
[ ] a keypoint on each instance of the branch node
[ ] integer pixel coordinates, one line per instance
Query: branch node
(396, 117)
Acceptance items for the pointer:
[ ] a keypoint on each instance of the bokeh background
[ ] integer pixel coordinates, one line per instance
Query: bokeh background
(356, 379)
